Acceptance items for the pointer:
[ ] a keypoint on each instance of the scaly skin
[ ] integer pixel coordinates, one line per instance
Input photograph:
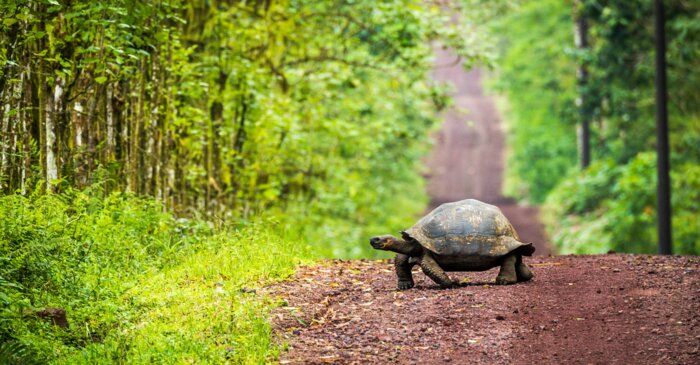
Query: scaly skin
(521, 270)
(403, 271)
(434, 271)
(507, 274)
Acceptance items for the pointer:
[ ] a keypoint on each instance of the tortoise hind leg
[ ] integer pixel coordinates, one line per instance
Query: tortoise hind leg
(403, 267)
(507, 275)
(521, 270)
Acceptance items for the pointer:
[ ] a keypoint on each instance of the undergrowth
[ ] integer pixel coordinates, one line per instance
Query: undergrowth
(613, 207)
(138, 285)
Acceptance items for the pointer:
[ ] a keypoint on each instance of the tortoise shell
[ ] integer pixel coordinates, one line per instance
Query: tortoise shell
(467, 228)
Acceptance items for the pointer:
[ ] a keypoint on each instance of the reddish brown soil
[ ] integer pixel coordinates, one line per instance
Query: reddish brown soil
(610, 309)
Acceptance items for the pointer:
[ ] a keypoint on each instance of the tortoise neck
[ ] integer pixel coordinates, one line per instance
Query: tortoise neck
(410, 248)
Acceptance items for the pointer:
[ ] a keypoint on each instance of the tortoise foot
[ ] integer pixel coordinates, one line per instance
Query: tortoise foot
(405, 284)
(508, 274)
(448, 285)
(505, 280)
(524, 273)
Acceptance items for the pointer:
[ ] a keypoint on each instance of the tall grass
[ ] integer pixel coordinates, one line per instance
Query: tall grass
(138, 285)
(141, 286)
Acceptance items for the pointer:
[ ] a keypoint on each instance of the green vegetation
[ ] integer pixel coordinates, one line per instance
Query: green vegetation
(138, 285)
(610, 205)
(158, 159)
(536, 77)
(228, 108)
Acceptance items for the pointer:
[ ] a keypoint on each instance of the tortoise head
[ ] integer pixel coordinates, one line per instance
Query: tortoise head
(385, 242)
(391, 243)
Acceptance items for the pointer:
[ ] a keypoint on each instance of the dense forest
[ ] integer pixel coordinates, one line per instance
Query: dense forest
(162, 160)
(611, 204)
(222, 108)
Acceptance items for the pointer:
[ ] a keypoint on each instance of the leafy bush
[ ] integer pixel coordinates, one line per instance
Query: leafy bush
(608, 207)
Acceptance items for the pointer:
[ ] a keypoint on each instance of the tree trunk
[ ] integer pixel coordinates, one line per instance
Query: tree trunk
(27, 118)
(127, 141)
(140, 131)
(54, 107)
(581, 41)
(4, 135)
(79, 150)
(109, 118)
(92, 134)
(663, 188)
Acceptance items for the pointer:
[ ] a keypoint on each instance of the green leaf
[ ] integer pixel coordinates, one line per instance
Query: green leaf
(101, 79)
(9, 21)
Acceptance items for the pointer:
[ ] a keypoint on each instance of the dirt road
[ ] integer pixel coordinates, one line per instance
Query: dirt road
(606, 309)
(467, 160)
(610, 309)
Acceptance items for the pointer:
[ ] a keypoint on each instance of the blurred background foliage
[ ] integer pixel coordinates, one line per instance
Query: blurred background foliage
(611, 205)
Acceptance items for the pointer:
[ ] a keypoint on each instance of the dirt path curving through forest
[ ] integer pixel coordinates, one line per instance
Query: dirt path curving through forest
(601, 309)
(468, 157)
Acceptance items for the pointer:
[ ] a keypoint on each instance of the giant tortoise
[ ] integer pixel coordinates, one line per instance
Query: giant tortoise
(466, 235)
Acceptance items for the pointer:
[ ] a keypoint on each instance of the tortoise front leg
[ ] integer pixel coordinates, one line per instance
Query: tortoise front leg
(434, 271)
(403, 271)
(507, 274)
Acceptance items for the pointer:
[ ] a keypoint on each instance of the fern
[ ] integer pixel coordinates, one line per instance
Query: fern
(14, 352)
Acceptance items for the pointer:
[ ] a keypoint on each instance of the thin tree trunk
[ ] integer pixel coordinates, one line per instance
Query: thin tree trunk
(6, 106)
(208, 166)
(153, 148)
(663, 187)
(54, 106)
(27, 112)
(79, 150)
(92, 134)
(25, 163)
(127, 142)
(26, 160)
(581, 41)
(15, 168)
(167, 170)
(4, 135)
(38, 100)
(217, 116)
(109, 117)
(140, 145)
